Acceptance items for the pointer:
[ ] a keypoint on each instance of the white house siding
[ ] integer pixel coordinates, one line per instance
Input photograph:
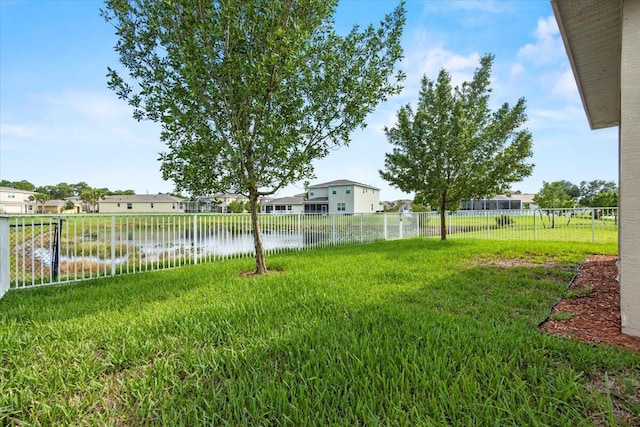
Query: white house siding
(630, 169)
(318, 192)
(366, 200)
(284, 205)
(15, 201)
(341, 196)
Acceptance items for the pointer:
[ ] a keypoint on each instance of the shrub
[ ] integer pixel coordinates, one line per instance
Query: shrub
(504, 220)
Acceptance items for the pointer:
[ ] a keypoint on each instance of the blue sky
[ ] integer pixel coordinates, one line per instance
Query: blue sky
(60, 123)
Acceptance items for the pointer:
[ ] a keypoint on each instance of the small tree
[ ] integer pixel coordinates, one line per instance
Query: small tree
(41, 200)
(249, 93)
(453, 147)
(555, 195)
(69, 205)
(606, 198)
(92, 196)
(235, 207)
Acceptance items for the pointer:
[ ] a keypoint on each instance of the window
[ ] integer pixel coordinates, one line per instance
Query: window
(311, 193)
(348, 189)
(118, 204)
(288, 207)
(342, 207)
(129, 205)
(173, 206)
(334, 190)
(11, 196)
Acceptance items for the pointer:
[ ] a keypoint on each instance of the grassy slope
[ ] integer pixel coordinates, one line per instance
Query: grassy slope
(391, 333)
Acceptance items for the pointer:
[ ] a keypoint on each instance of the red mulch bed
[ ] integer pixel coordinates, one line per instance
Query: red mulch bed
(596, 315)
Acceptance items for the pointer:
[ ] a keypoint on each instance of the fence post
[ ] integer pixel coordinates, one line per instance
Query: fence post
(113, 245)
(5, 266)
(535, 211)
(361, 228)
(593, 226)
(400, 226)
(195, 238)
(300, 232)
(384, 229)
(486, 214)
(333, 230)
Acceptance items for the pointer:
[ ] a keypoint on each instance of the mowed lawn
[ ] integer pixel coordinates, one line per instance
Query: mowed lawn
(413, 332)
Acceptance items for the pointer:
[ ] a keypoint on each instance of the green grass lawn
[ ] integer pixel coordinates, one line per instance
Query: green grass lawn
(413, 332)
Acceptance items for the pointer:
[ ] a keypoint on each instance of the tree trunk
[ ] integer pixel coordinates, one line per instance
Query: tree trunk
(261, 263)
(443, 220)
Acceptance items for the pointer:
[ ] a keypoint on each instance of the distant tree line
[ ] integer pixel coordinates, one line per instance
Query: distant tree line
(564, 194)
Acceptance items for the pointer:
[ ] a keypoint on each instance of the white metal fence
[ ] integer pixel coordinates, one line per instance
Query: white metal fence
(43, 250)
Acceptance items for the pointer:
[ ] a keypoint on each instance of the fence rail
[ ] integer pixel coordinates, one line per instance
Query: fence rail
(43, 250)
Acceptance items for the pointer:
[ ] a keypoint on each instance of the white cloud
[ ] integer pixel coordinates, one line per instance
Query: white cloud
(547, 47)
(565, 85)
(420, 61)
(516, 70)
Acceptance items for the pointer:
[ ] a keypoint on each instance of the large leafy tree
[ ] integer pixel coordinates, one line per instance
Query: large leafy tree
(249, 93)
(453, 147)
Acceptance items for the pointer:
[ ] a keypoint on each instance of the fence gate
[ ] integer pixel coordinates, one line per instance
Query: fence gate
(34, 248)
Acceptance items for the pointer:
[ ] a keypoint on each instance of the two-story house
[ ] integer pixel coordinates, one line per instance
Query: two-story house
(16, 201)
(342, 196)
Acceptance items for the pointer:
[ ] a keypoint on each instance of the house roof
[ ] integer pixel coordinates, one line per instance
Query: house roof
(524, 197)
(341, 182)
(55, 202)
(295, 200)
(592, 35)
(142, 198)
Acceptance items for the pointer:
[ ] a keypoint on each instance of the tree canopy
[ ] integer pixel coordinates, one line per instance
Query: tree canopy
(453, 147)
(248, 94)
(598, 193)
(557, 194)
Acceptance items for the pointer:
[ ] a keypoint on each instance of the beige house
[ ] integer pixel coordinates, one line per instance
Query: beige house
(142, 203)
(15, 201)
(59, 206)
(342, 196)
(602, 40)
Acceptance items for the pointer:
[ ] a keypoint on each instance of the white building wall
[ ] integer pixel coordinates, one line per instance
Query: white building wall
(366, 200)
(318, 192)
(15, 201)
(341, 196)
(630, 169)
(141, 207)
